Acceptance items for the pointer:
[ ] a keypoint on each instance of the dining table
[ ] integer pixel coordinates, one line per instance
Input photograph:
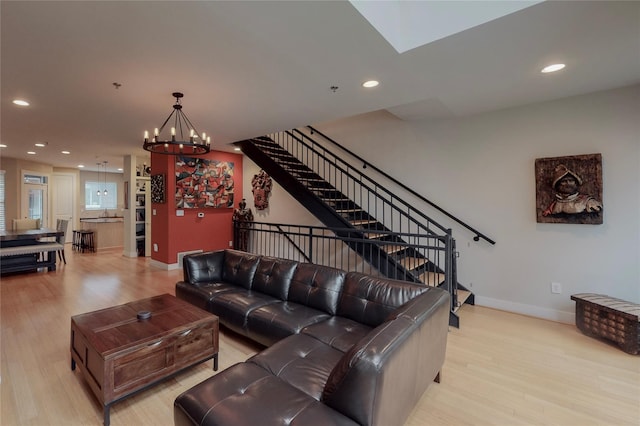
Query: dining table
(27, 250)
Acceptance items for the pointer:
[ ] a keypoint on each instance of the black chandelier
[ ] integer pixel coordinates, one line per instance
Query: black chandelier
(196, 144)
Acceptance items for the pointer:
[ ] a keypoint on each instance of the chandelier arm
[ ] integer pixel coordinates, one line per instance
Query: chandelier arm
(180, 117)
(177, 124)
(166, 121)
(191, 126)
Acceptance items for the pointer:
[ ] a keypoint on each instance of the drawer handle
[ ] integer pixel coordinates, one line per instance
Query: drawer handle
(153, 345)
(184, 333)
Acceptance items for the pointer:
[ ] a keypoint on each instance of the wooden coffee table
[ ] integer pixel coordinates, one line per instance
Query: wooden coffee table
(119, 354)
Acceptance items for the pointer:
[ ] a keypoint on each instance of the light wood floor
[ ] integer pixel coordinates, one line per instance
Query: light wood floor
(501, 368)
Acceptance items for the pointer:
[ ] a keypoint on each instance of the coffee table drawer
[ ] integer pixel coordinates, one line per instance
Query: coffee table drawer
(142, 365)
(197, 343)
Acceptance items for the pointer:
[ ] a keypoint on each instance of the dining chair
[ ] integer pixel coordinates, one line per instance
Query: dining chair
(25, 224)
(61, 225)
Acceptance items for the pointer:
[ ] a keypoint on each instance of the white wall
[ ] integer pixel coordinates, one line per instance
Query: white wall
(481, 169)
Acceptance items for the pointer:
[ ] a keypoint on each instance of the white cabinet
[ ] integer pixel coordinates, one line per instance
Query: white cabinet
(142, 218)
(137, 214)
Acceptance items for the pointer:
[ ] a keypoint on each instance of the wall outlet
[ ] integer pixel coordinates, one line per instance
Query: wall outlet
(155, 247)
(230, 243)
(556, 288)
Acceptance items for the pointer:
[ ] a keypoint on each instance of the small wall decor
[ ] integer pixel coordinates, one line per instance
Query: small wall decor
(569, 189)
(126, 195)
(203, 183)
(262, 185)
(244, 218)
(157, 189)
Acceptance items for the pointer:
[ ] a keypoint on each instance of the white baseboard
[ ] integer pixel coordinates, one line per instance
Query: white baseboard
(529, 310)
(164, 266)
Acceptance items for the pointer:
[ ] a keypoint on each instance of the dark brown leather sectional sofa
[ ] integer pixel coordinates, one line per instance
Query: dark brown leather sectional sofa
(343, 348)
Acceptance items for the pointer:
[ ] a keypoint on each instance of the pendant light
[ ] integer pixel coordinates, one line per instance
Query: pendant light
(98, 191)
(105, 179)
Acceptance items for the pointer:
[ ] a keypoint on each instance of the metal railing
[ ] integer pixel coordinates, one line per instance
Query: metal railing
(334, 247)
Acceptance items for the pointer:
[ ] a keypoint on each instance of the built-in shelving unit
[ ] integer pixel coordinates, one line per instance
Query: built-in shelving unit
(137, 215)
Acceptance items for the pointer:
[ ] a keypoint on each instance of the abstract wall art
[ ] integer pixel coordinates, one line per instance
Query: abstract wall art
(203, 183)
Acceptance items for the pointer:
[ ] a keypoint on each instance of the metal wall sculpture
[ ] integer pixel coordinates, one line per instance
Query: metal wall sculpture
(262, 185)
(569, 189)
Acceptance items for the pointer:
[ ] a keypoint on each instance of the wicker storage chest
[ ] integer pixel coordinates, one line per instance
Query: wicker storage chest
(608, 318)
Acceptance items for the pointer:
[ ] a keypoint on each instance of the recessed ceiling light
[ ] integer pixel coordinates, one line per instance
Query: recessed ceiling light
(120, 170)
(65, 152)
(552, 68)
(20, 102)
(2, 145)
(31, 152)
(80, 165)
(40, 144)
(370, 83)
(236, 149)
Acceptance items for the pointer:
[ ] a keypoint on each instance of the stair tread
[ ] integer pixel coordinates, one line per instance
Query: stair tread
(374, 235)
(463, 295)
(348, 210)
(358, 222)
(413, 262)
(393, 248)
(432, 279)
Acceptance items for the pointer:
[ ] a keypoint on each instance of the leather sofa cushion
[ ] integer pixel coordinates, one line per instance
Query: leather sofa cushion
(301, 361)
(201, 295)
(233, 308)
(273, 276)
(355, 383)
(270, 323)
(203, 267)
(317, 287)
(337, 332)
(376, 367)
(370, 300)
(239, 268)
(246, 394)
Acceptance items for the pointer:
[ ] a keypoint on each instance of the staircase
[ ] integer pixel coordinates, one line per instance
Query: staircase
(383, 229)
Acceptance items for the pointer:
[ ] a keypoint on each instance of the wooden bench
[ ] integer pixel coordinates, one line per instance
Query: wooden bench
(608, 318)
(29, 257)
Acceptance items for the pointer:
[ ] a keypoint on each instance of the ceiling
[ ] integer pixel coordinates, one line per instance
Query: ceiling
(250, 68)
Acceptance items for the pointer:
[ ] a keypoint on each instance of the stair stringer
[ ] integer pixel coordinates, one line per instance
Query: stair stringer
(377, 257)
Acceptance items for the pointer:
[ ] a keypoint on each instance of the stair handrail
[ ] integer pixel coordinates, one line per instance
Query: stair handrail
(478, 234)
(390, 203)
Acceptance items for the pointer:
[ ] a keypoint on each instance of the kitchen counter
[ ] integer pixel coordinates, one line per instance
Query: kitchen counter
(111, 219)
(108, 231)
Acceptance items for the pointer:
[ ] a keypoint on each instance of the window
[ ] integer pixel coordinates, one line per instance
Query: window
(93, 201)
(34, 179)
(2, 220)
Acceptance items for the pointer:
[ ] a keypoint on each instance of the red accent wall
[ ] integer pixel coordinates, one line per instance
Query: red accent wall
(174, 234)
